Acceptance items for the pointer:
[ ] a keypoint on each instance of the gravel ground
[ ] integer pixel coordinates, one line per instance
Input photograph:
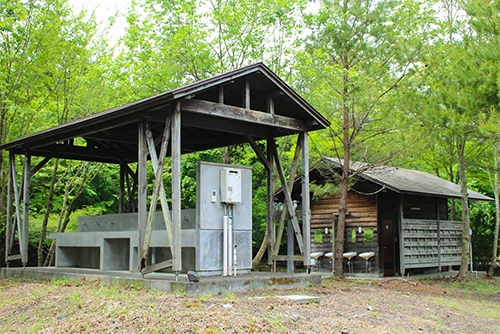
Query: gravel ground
(344, 306)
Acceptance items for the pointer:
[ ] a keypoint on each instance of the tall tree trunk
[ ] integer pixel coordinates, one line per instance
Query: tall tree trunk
(262, 250)
(48, 210)
(340, 234)
(453, 207)
(3, 136)
(49, 260)
(494, 256)
(464, 261)
(344, 186)
(226, 154)
(86, 177)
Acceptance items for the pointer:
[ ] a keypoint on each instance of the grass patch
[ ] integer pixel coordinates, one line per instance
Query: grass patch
(479, 308)
(480, 287)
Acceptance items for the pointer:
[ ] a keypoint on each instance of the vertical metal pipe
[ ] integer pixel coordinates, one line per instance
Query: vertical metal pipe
(230, 246)
(224, 245)
(176, 188)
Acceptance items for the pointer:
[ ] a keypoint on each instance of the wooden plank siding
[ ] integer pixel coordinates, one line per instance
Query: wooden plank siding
(422, 247)
(362, 212)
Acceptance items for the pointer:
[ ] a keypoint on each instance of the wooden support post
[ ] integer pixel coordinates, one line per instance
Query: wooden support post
(9, 229)
(158, 168)
(438, 226)
(176, 188)
(290, 264)
(291, 179)
(270, 204)
(288, 197)
(121, 198)
(401, 240)
(306, 200)
(158, 190)
(142, 213)
(131, 188)
(26, 207)
(247, 94)
(270, 105)
(221, 94)
(17, 200)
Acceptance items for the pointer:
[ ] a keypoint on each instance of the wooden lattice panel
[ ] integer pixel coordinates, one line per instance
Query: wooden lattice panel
(430, 243)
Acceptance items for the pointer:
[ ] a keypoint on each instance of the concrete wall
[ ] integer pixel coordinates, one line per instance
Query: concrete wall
(110, 242)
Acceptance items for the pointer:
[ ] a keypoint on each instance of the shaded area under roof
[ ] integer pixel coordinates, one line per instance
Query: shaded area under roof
(112, 135)
(407, 181)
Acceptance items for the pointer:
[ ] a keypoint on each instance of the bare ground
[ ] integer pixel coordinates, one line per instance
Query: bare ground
(344, 306)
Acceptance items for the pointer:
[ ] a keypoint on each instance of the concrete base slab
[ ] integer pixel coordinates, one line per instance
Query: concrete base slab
(300, 299)
(171, 282)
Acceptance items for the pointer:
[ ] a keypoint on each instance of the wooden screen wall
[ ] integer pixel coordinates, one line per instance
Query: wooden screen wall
(429, 243)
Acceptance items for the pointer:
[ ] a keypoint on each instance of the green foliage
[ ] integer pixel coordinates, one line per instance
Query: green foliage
(358, 55)
(325, 190)
(351, 235)
(368, 235)
(318, 236)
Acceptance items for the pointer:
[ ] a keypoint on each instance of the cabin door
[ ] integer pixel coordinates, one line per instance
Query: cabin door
(388, 246)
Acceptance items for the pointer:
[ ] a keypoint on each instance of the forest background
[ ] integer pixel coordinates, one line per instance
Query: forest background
(406, 83)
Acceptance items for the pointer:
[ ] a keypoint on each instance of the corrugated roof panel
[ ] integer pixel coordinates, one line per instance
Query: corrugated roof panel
(407, 181)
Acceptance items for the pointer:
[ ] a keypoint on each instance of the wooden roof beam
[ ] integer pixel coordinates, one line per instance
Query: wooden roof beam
(242, 115)
(81, 153)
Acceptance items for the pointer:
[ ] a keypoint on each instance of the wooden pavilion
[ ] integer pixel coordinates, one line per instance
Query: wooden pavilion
(247, 105)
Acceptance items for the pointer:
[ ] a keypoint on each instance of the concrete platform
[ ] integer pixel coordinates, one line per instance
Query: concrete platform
(171, 283)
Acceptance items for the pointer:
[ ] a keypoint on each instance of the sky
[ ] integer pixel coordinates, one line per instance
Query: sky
(104, 9)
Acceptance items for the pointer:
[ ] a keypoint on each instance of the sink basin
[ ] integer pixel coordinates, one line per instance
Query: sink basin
(367, 255)
(329, 255)
(316, 255)
(349, 255)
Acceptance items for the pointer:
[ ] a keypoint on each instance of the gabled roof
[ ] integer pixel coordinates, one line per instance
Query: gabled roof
(112, 135)
(407, 181)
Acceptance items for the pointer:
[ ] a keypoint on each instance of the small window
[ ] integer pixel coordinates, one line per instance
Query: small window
(318, 236)
(368, 235)
(351, 235)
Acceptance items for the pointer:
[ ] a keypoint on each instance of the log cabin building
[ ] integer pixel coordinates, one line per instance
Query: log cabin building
(400, 215)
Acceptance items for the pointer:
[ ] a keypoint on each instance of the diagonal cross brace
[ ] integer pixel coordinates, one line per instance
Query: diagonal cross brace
(158, 190)
(293, 172)
(288, 197)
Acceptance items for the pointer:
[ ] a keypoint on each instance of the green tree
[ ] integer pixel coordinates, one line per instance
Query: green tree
(49, 61)
(460, 89)
(484, 19)
(358, 54)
